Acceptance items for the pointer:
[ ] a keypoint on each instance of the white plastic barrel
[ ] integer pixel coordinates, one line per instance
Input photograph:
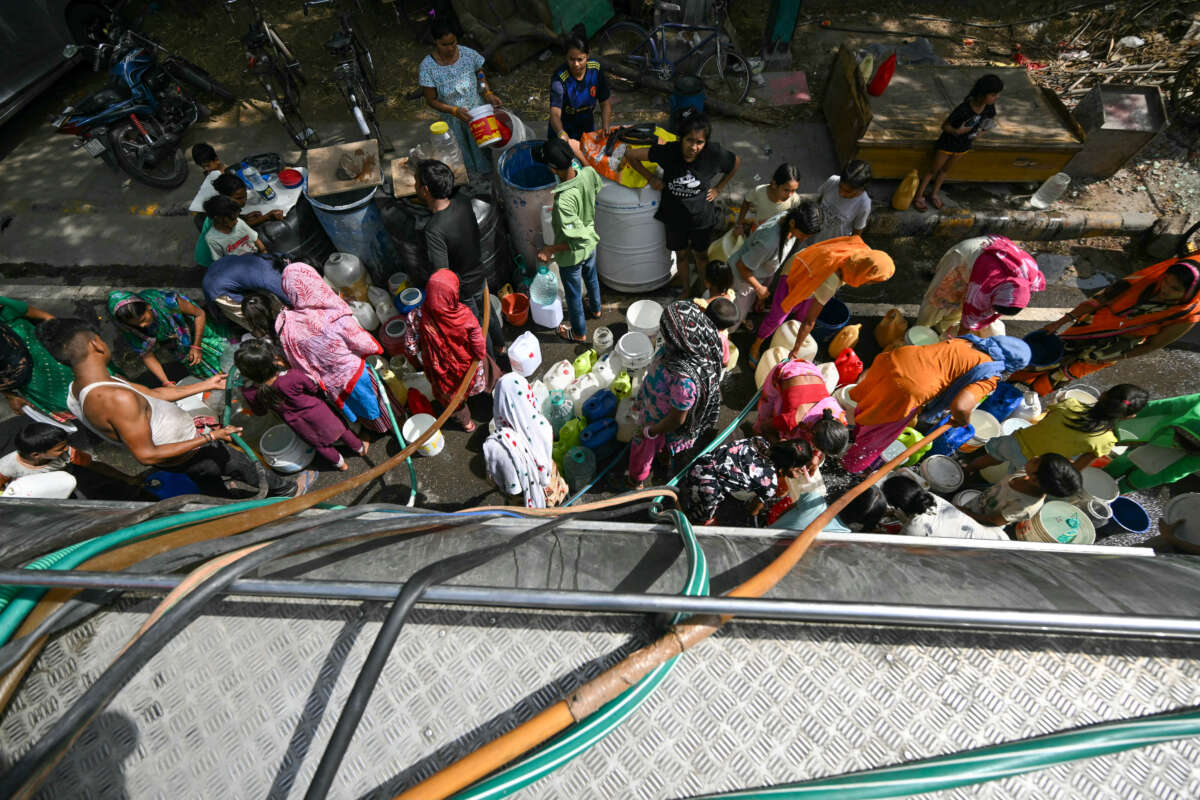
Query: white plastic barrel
(632, 254)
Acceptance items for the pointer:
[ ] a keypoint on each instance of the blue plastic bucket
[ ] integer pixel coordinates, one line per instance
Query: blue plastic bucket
(355, 226)
(1046, 349)
(948, 443)
(689, 93)
(833, 317)
(1128, 516)
(1002, 402)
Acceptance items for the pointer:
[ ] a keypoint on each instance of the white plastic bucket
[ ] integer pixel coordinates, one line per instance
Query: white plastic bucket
(284, 451)
(415, 426)
(920, 334)
(484, 126)
(635, 350)
(965, 497)
(1052, 523)
(548, 315)
(1099, 513)
(643, 317)
(986, 427)
(1098, 485)
(842, 395)
(785, 336)
(1012, 425)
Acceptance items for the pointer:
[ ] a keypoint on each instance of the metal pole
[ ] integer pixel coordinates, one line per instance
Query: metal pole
(1059, 622)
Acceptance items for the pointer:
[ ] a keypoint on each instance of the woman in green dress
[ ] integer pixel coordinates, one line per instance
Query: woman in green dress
(153, 317)
(1163, 441)
(46, 389)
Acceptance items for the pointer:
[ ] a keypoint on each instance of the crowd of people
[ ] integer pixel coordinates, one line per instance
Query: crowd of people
(302, 355)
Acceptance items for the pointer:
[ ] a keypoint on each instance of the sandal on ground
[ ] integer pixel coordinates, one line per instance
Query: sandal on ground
(362, 451)
(304, 482)
(936, 202)
(564, 332)
(632, 484)
(596, 314)
(919, 204)
(341, 465)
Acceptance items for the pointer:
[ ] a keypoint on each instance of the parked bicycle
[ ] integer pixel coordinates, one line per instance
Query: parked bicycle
(725, 73)
(278, 71)
(354, 74)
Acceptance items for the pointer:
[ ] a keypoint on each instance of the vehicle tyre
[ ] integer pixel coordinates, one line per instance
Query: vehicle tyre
(163, 167)
(726, 76)
(626, 43)
(86, 22)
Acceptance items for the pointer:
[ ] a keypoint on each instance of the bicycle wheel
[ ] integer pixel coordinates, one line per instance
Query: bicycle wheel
(288, 113)
(626, 43)
(726, 76)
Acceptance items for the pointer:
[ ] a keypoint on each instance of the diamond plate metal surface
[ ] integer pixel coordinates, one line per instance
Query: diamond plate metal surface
(241, 704)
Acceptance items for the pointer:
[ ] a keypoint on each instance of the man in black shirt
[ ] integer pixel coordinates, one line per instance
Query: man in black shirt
(452, 242)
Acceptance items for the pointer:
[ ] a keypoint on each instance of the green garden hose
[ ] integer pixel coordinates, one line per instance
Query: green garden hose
(387, 404)
(15, 606)
(580, 737)
(985, 763)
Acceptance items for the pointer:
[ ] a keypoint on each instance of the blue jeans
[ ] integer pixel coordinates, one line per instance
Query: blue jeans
(574, 279)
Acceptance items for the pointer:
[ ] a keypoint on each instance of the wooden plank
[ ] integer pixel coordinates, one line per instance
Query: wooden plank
(404, 182)
(919, 98)
(323, 164)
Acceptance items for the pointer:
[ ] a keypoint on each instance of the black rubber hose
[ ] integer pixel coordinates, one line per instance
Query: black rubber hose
(389, 631)
(83, 605)
(27, 774)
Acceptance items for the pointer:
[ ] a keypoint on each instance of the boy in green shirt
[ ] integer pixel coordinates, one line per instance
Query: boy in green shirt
(574, 245)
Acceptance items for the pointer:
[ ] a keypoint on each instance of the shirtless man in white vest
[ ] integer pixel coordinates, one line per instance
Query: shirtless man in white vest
(157, 432)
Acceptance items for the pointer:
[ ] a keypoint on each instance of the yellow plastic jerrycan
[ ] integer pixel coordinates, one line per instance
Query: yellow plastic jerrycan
(906, 191)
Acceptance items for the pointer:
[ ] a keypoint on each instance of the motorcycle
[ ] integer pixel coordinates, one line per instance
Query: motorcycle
(137, 121)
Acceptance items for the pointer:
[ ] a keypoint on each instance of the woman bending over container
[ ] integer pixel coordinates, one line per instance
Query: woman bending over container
(34, 376)
(978, 281)
(934, 379)
(751, 466)
(680, 397)
(814, 276)
(320, 336)
(1137, 315)
(1163, 441)
(761, 262)
(169, 320)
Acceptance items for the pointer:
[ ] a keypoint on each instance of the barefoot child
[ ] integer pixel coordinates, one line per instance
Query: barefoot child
(295, 398)
(971, 117)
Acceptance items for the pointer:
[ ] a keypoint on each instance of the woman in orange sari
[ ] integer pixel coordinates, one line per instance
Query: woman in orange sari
(933, 379)
(813, 277)
(1137, 315)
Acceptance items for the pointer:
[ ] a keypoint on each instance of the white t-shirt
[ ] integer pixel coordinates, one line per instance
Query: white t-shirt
(946, 521)
(762, 207)
(843, 216)
(1002, 499)
(12, 468)
(238, 242)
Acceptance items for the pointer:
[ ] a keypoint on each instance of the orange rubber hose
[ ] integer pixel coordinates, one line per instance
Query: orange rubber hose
(594, 694)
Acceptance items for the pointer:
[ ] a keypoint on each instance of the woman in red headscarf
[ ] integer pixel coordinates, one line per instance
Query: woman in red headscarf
(1137, 315)
(443, 337)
